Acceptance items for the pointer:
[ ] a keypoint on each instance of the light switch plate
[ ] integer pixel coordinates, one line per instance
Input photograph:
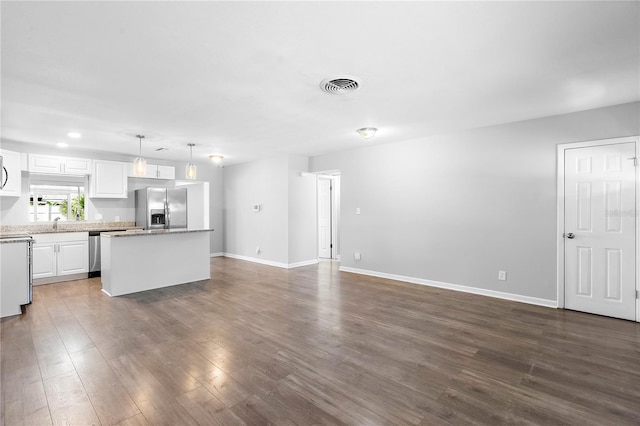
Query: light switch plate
(357, 210)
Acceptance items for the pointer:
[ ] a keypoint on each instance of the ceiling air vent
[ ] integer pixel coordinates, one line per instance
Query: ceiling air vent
(340, 85)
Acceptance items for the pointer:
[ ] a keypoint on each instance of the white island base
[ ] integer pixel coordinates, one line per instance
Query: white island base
(146, 260)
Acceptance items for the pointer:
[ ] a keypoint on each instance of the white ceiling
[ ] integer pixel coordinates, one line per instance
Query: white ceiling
(242, 78)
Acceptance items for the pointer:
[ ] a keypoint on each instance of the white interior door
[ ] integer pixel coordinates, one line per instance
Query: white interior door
(324, 218)
(600, 230)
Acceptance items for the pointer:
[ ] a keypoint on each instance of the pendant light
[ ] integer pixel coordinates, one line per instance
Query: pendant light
(191, 171)
(140, 164)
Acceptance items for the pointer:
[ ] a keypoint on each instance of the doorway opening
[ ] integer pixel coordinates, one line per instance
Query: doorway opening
(598, 227)
(328, 216)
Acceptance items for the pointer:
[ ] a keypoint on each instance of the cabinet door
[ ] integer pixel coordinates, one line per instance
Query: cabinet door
(166, 172)
(44, 260)
(11, 175)
(150, 173)
(77, 166)
(73, 257)
(45, 164)
(109, 179)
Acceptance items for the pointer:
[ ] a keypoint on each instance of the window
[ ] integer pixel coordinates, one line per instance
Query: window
(49, 201)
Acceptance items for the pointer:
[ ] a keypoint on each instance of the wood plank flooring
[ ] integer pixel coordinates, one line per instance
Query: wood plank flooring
(260, 345)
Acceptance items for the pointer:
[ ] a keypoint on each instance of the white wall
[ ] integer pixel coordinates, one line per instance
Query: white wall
(457, 208)
(303, 244)
(261, 182)
(284, 229)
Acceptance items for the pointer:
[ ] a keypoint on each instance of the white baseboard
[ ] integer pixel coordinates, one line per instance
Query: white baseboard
(270, 262)
(303, 263)
(219, 254)
(256, 260)
(457, 287)
(106, 292)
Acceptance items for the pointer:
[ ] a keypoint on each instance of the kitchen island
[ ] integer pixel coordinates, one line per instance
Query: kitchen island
(134, 261)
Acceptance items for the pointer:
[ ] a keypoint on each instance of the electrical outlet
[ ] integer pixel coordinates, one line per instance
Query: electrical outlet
(502, 275)
(357, 255)
(357, 210)
(257, 249)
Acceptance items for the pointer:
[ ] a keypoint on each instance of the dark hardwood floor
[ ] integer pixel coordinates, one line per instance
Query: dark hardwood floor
(262, 345)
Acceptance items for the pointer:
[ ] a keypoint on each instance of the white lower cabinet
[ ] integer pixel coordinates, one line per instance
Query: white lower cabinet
(60, 257)
(44, 260)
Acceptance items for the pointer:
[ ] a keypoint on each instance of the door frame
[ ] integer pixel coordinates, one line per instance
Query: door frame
(336, 182)
(560, 210)
(331, 218)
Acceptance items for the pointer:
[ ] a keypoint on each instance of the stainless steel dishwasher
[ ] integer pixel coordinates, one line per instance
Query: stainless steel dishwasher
(94, 254)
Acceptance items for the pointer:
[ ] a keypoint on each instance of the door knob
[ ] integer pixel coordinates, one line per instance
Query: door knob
(570, 235)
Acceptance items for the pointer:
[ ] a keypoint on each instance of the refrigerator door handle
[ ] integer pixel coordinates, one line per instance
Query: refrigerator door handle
(167, 213)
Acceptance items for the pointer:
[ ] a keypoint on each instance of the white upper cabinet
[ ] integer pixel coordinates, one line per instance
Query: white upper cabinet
(11, 174)
(154, 172)
(59, 165)
(109, 179)
(166, 172)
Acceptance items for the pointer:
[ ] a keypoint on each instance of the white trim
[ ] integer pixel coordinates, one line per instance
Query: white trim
(219, 254)
(303, 263)
(106, 292)
(256, 260)
(60, 278)
(270, 262)
(560, 210)
(456, 287)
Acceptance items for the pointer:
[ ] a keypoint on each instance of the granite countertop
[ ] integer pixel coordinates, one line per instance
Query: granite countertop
(47, 228)
(141, 232)
(15, 239)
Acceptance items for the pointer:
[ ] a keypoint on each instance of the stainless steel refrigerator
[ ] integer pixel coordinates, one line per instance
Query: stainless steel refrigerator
(161, 208)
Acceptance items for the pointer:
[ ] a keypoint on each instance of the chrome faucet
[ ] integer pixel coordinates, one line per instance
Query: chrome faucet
(55, 223)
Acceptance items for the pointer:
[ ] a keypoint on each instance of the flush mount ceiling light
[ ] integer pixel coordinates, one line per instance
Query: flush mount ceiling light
(191, 171)
(340, 85)
(140, 164)
(74, 135)
(367, 132)
(216, 159)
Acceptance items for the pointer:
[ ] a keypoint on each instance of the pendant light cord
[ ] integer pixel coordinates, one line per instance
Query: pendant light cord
(140, 137)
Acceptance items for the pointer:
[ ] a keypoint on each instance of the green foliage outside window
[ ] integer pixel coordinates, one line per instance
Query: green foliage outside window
(77, 208)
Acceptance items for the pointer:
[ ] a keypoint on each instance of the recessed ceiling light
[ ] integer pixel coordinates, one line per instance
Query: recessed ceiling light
(74, 135)
(62, 145)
